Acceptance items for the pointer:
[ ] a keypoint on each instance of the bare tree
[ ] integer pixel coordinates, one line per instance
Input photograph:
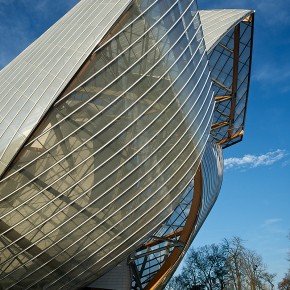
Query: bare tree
(226, 266)
(234, 252)
(246, 267)
(205, 268)
(285, 283)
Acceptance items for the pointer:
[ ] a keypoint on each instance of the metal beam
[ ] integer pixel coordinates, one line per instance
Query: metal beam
(149, 252)
(223, 114)
(135, 273)
(28, 246)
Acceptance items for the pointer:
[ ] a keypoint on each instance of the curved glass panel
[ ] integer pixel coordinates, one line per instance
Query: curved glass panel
(230, 63)
(113, 155)
(34, 80)
(151, 256)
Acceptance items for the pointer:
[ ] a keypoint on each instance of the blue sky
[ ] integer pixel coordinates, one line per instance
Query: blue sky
(255, 197)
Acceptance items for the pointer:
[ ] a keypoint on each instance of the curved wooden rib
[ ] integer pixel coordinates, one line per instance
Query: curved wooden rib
(235, 78)
(184, 236)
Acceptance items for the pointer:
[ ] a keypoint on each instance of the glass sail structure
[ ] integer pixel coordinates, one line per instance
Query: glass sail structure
(112, 128)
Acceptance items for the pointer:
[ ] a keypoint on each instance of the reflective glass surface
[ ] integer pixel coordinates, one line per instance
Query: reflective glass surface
(113, 155)
(231, 91)
(149, 258)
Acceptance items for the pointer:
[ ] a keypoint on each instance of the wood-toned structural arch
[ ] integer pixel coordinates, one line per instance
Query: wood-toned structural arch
(156, 260)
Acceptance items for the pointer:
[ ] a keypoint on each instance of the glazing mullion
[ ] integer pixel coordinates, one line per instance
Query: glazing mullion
(91, 98)
(17, 113)
(60, 159)
(148, 30)
(160, 187)
(19, 72)
(95, 201)
(134, 232)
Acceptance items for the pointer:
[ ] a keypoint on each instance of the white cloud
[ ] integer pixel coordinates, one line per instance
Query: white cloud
(274, 226)
(272, 221)
(251, 161)
(272, 72)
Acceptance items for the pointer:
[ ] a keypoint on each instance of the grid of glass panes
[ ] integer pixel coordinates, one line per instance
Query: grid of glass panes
(113, 156)
(147, 261)
(221, 63)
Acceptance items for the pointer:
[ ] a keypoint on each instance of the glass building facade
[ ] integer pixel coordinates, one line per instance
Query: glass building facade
(114, 154)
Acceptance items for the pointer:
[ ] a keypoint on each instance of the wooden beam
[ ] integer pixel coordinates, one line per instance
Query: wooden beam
(235, 78)
(236, 135)
(160, 240)
(223, 98)
(184, 237)
(218, 125)
(248, 18)
(221, 85)
(226, 48)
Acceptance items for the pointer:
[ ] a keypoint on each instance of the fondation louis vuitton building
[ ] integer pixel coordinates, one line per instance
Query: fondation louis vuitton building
(112, 129)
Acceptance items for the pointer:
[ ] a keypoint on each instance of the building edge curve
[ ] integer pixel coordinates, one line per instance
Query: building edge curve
(116, 153)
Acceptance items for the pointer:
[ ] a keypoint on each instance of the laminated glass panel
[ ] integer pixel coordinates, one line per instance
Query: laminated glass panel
(230, 63)
(113, 155)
